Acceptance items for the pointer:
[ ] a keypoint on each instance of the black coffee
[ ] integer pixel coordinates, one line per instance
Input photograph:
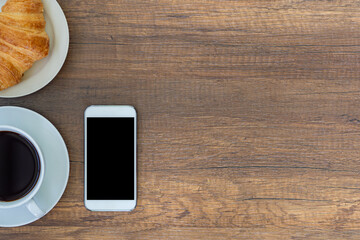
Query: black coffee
(19, 166)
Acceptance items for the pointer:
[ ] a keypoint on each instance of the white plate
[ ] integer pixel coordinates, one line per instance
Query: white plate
(56, 159)
(43, 71)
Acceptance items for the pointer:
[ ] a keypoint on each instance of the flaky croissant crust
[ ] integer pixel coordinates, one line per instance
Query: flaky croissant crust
(23, 39)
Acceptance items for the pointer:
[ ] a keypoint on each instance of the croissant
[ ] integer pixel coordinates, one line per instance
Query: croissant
(23, 39)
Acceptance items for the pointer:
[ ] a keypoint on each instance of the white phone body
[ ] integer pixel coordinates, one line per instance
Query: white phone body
(103, 114)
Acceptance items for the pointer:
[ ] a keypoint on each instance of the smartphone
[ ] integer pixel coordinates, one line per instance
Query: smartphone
(110, 158)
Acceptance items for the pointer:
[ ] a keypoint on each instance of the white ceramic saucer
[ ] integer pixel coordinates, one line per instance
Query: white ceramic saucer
(56, 159)
(43, 71)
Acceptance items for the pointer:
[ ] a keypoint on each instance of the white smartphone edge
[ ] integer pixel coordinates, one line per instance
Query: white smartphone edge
(110, 111)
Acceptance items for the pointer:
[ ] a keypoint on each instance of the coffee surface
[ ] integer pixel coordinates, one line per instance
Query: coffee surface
(19, 166)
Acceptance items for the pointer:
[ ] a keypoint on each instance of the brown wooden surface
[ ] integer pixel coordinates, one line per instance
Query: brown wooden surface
(249, 117)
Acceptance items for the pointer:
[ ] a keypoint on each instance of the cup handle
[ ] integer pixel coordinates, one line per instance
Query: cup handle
(34, 209)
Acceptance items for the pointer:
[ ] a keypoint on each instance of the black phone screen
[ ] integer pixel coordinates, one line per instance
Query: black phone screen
(110, 158)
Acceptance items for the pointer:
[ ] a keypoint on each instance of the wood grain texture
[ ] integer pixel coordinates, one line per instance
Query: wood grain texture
(249, 117)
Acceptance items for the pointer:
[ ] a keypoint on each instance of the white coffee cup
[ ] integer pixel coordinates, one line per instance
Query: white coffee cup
(28, 199)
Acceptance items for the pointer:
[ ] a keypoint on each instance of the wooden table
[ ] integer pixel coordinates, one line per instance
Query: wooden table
(249, 117)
